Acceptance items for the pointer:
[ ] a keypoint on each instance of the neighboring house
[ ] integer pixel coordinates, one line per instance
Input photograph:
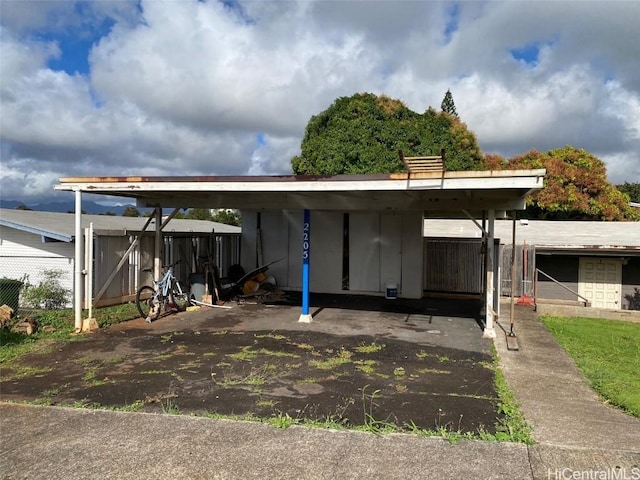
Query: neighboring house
(598, 260)
(33, 242)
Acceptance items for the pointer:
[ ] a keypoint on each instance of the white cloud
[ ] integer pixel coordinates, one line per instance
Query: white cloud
(180, 88)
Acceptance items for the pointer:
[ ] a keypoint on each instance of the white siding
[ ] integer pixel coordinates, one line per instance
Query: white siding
(16, 243)
(412, 251)
(364, 252)
(25, 254)
(391, 250)
(325, 263)
(275, 245)
(383, 248)
(294, 237)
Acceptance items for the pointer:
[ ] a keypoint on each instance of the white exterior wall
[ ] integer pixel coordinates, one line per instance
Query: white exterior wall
(23, 253)
(364, 252)
(384, 247)
(412, 251)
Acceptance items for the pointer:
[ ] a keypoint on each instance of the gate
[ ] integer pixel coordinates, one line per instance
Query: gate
(525, 266)
(454, 265)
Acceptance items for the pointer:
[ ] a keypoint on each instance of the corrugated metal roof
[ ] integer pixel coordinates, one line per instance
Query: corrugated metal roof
(61, 226)
(557, 234)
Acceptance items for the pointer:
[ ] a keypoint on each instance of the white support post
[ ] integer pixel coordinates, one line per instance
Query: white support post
(89, 323)
(78, 280)
(89, 270)
(489, 330)
(157, 261)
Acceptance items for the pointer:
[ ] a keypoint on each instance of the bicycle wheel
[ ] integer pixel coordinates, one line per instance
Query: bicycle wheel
(179, 297)
(147, 303)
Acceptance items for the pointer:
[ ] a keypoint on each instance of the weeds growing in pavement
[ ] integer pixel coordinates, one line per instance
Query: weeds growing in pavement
(511, 426)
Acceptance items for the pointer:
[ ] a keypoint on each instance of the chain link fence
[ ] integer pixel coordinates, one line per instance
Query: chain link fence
(36, 282)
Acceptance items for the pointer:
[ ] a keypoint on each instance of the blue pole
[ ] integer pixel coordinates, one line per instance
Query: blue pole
(306, 253)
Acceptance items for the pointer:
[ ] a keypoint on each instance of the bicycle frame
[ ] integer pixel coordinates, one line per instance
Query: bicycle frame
(162, 287)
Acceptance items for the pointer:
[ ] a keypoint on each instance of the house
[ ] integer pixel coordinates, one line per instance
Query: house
(599, 261)
(337, 234)
(33, 242)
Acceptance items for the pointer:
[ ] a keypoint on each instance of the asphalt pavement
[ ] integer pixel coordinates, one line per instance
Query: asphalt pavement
(577, 436)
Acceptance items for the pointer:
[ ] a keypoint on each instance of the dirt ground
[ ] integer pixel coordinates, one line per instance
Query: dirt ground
(214, 364)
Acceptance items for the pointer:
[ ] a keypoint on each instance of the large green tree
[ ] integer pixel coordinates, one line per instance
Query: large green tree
(363, 133)
(575, 187)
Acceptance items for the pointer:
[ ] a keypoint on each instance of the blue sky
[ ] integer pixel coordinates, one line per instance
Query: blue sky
(118, 87)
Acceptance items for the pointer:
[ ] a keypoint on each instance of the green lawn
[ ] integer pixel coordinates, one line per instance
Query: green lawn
(12, 345)
(607, 352)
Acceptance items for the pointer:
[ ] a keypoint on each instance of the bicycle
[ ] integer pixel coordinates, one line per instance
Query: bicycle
(167, 294)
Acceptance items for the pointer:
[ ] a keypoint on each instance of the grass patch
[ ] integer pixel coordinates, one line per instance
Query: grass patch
(273, 336)
(23, 371)
(424, 371)
(370, 348)
(331, 362)
(257, 377)
(249, 354)
(136, 406)
(61, 329)
(366, 366)
(169, 407)
(607, 352)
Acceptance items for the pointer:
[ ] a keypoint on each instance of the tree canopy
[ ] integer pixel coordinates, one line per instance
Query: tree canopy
(228, 217)
(575, 187)
(130, 211)
(363, 133)
(631, 189)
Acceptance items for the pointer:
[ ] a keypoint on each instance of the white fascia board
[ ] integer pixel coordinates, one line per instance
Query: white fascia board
(533, 180)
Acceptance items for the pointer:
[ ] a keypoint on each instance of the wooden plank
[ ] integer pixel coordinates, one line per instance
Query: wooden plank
(423, 164)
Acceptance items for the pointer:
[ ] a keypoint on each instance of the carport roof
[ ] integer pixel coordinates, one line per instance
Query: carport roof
(436, 191)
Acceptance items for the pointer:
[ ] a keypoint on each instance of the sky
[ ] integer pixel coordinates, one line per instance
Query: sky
(186, 87)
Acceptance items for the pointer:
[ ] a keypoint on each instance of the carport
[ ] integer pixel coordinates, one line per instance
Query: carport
(480, 196)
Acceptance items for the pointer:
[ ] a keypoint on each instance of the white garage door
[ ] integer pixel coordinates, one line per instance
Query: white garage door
(601, 281)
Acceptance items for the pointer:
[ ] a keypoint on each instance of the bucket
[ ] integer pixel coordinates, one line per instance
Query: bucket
(197, 285)
(391, 291)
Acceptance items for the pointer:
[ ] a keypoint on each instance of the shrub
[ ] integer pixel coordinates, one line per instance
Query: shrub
(49, 293)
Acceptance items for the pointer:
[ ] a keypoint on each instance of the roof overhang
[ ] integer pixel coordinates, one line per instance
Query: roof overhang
(45, 234)
(589, 250)
(437, 191)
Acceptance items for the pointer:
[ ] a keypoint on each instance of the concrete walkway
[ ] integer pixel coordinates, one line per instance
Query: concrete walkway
(574, 430)
(555, 396)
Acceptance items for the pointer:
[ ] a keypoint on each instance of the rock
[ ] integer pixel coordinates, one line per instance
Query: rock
(6, 314)
(29, 326)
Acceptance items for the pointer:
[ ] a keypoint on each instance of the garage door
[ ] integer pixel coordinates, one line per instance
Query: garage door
(600, 281)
